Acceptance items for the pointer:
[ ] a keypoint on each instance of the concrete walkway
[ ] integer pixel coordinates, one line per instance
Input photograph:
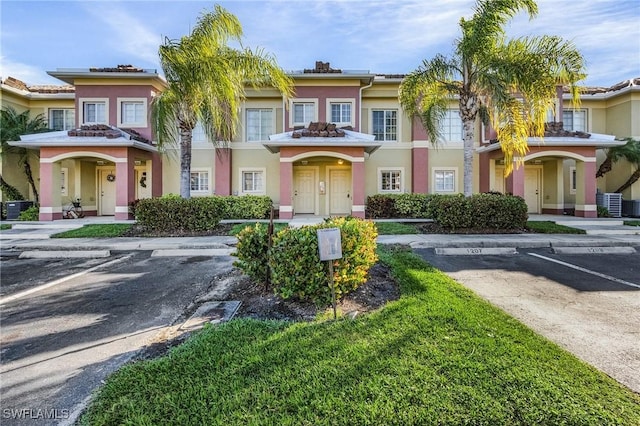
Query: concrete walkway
(600, 232)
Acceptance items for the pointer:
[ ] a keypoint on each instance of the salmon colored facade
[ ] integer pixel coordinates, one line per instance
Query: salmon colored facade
(341, 138)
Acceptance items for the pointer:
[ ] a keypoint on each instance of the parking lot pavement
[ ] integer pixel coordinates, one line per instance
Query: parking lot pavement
(591, 308)
(59, 343)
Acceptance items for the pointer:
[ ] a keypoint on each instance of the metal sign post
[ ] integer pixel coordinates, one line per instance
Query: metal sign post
(330, 248)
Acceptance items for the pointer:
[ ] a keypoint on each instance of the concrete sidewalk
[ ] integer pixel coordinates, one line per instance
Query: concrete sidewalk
(35, 236)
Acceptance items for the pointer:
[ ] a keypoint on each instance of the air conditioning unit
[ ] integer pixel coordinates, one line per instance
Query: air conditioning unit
(612, 202)
(631, 208)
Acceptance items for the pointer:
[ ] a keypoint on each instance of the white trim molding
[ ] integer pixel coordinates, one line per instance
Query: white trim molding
(587, 207)
(357, 208)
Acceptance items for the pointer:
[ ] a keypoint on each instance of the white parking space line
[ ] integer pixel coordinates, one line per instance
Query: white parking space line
(588, 271)
(59, 281)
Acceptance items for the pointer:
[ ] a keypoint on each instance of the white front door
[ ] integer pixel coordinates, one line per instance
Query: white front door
(532, 189)
(304, 195)
(107, 192)
(340, 192)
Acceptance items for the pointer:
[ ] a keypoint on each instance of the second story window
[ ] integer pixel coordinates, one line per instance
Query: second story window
(259, 124)
(62, 119)
(574, 120)
(303, 113)
(94, 112)
(385, 125)
(132, 112)
(341, 113)
(452, 126)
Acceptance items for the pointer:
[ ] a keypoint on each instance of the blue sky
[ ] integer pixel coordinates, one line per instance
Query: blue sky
(375, 35)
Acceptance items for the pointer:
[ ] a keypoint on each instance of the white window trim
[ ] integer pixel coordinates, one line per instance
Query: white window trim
(351, 101)
(461, 139)
(81, 103)
(144, 108)
(201, 170)
(573, 177)
(64, 184)
(391, 169)
(48, 115)
(398, 122)
(444, 169)
(242, 171)
(586, 117)
(246, 121)
(313, 101)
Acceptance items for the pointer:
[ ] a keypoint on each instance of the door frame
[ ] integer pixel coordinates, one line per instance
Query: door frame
(99, 170)
(539, 169)
(329, 169)
(316, 195)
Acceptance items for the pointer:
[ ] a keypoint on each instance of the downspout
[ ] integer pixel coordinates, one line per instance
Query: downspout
(360, 109)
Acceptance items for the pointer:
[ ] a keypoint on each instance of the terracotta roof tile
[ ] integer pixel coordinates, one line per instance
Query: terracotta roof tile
(119, 68)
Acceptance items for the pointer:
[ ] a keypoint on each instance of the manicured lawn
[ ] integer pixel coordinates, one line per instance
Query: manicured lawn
(106, 230)
(548, 227)
(439, 355)
(4, 226)
(395, 228)
(632, 222)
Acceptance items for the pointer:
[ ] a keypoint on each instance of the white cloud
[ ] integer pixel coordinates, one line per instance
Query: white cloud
(30, 74)
(126, 33)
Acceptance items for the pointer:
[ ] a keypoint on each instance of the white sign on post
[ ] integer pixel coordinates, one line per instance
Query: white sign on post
(329, 243)
(330, 248)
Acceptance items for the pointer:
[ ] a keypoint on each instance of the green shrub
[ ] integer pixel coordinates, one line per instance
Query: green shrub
(381, 206)
(175, 214)
(298, 272)
(413, 205)
(252, 251)
(32, 214)
(482, 211)
(247, 207)
(388, 206)
(603, 211)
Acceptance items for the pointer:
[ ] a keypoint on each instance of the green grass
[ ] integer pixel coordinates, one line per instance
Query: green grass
(107, 230)
(438, 355)
(395, 228)
(235, 230)
(4, 226)
(548, 227)
(632, 222)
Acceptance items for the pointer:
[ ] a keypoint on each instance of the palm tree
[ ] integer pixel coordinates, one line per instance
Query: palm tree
(508, 83)
(12, 125)
(206, 83)
(629, 151)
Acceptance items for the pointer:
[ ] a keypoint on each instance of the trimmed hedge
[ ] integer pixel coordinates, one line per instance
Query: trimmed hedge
(247, 207)
(175, 214)
(296, 269)
(482, 211)
(389, 206)
(232, 207)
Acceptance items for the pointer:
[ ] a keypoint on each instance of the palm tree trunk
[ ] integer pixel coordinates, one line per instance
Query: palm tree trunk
(468, 111)
(632, 179)
(28, 172)
(605, 167)
(185, 161)
(9, 191)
